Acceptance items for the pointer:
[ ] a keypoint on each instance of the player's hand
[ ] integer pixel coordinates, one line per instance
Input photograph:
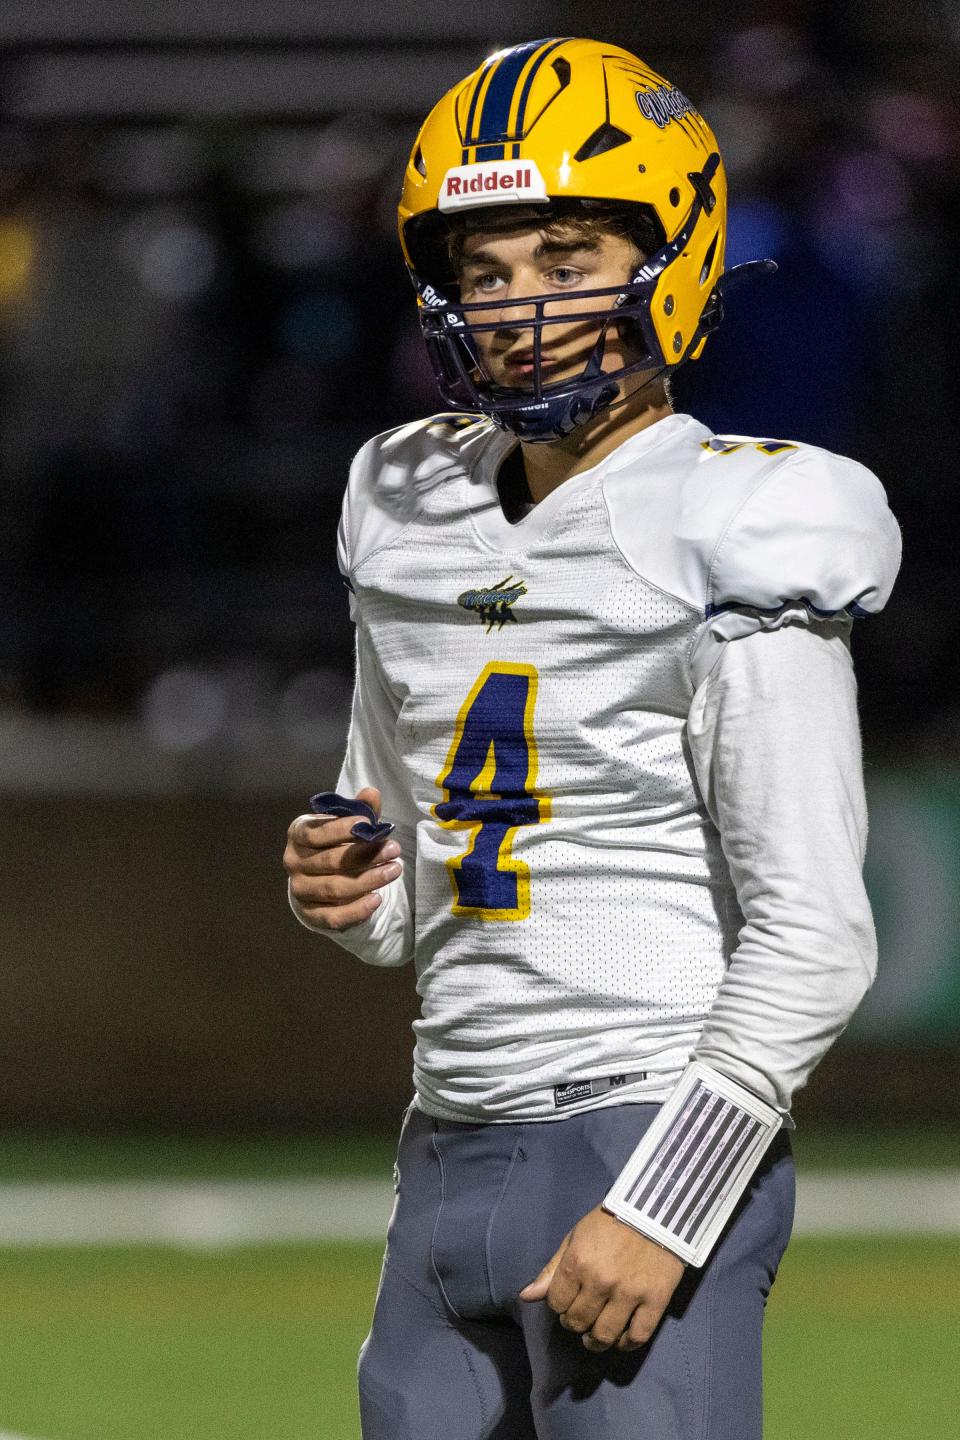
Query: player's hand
(334, 879)
(608, 1282)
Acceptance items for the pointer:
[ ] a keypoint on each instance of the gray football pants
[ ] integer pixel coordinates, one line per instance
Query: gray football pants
(452, 1354)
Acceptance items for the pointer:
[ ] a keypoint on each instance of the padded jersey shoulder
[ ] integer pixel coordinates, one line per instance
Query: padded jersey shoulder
(733, 520)
(392, 475)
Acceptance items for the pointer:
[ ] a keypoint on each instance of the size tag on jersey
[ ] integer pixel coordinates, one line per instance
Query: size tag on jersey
(491, 182)
(586, 1089)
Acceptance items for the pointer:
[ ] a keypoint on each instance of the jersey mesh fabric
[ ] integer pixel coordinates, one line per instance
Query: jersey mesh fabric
(631, 911)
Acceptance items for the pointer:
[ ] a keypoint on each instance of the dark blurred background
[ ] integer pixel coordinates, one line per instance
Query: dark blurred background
(203, 313)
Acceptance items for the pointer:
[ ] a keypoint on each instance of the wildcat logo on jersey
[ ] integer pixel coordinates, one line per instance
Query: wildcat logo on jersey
(663, 105)
(493, 605)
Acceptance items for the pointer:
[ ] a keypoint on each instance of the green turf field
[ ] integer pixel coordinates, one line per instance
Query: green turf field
(106, 1343)
(101, 1344)
(26, 1156)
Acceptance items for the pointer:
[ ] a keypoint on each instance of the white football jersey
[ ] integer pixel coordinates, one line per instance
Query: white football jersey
(522, 702)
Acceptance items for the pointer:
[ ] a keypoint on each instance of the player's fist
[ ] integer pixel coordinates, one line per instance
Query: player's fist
(334, 879)
(608, 1282)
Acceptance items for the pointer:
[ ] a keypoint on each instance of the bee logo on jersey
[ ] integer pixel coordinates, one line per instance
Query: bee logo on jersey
(493, 605)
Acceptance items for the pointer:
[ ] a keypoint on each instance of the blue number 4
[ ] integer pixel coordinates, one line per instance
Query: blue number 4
(489, 788)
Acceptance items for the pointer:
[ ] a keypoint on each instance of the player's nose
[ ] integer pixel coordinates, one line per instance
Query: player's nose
(518, 312)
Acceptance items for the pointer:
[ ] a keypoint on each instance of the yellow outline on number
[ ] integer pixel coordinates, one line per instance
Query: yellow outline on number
(505, 861)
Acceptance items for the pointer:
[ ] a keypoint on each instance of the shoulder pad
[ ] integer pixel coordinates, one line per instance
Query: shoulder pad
(726, 520)
(815, 529)
(391, 477)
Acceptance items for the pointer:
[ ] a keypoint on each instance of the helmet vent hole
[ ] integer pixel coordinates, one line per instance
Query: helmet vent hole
(419, 163)
(674, 196)
(605, 137)
(708, 259)
(561, 68)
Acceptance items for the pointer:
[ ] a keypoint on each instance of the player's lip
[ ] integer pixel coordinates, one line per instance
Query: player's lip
(523, 361)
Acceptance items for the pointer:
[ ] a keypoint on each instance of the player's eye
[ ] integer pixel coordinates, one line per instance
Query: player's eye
(565, 275)
(485, 282)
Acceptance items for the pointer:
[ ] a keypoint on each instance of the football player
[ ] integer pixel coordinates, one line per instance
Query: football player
(605, 697)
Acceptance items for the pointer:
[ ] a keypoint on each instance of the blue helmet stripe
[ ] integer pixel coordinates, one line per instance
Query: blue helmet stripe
(496, 105)
(468, 132)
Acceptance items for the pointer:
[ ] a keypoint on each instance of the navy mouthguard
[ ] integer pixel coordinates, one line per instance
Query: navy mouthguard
(367, 828)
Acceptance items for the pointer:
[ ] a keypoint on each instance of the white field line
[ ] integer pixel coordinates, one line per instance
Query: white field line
(225, 1213)
(193, 1213)
(877, 1202)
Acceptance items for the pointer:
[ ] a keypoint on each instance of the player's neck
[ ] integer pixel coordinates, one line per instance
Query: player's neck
(548, 466)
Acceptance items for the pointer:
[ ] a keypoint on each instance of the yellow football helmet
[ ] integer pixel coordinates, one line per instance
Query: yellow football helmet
(567, 120)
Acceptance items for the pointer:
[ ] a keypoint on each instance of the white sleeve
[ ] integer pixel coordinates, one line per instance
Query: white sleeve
(775, 741)
(387, 937)
(775, 744)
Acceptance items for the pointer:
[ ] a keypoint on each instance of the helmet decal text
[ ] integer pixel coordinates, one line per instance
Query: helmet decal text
(491, 182)
(663, 105)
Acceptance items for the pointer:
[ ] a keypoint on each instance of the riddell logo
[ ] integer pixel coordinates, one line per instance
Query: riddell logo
(491, 183)
(495, 180)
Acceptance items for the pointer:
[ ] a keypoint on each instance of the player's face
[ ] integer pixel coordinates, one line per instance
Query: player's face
(522, 263)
